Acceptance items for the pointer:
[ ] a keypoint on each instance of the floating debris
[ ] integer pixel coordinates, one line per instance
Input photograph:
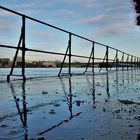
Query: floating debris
(98, 84)
(52, 111)
(127, 102)
(138, 118)
(3, 126)
(41, 138)
(56, 104)
(117, 111)
(78, 102)
(104, 110)
(130, 125)
(44, 92)
(12, 133)
(38, 138)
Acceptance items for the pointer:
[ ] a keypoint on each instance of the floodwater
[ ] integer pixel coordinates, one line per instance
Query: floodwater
(100, 107)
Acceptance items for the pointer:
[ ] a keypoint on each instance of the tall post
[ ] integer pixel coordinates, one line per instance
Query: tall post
(127, 61)
(122, 61)
(93, 64)
(134, 63)
(70, 54)
(137, 62)
(23, 48)
(117, 60)
(107, 58)
(131, 62)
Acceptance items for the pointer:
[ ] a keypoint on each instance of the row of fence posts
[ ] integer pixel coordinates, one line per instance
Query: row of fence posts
(122, 63)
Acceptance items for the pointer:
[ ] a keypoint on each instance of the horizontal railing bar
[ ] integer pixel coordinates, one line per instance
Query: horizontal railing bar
(11, 11)
(6, 46)
(44, 23)
(40, 51)
(34, 50)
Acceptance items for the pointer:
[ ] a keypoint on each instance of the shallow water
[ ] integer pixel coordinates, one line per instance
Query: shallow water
(41, 72)
(76, 108)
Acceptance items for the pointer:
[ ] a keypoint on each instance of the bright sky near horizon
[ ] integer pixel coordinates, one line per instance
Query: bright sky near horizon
(111, 22)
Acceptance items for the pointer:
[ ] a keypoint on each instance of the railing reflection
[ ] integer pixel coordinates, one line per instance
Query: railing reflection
(107, 84)
(22, 112)
(91, 85)
(69, 95)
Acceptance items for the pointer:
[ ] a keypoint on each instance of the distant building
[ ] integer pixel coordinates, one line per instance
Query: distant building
(49, 64)
(18, 62)
(4, 62)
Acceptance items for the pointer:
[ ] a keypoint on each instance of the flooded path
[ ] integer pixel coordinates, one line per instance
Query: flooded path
(101, 107)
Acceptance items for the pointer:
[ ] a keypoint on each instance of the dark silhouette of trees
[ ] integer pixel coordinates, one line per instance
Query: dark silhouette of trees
(137, 9)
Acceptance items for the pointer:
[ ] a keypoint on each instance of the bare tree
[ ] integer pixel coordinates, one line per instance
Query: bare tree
(137, 9)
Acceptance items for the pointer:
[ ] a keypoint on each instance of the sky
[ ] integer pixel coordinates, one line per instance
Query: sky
(111, 22)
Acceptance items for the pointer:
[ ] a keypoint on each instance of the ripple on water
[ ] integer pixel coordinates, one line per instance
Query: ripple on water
(12, 133)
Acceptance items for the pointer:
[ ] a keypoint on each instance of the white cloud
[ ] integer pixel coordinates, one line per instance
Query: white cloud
(91, 20)
(5, 13)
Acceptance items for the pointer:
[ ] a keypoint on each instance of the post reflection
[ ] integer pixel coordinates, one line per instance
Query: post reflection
(68, 95)
(123, 77)
(92, 87)
(107, 84)
(22, 112)
(117, 82)
(127, 76)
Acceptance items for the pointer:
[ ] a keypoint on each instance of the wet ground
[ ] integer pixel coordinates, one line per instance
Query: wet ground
(103, 107)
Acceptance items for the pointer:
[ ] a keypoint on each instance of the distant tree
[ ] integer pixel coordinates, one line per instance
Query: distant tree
(137, 9)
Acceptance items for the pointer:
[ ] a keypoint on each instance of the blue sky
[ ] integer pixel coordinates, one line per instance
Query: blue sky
(110, 22)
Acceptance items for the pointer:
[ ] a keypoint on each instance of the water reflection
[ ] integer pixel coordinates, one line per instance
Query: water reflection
(127, 76)
(67, 85)
(91, 86)
(117, 82)
(107, 84)
(123, 77)
(69, 95)
(22, 112)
